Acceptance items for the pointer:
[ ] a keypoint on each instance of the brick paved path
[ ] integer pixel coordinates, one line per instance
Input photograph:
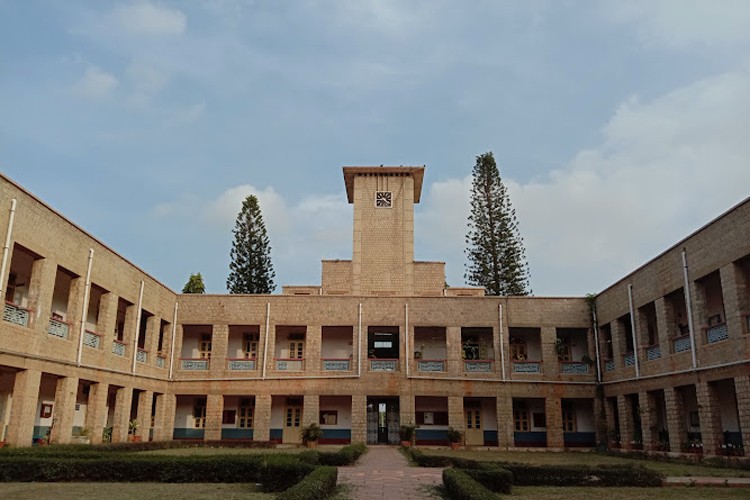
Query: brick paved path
(384, 473)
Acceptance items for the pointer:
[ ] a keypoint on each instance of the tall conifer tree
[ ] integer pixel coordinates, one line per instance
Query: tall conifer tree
(194, 284)
(250, 269)
(495, 251)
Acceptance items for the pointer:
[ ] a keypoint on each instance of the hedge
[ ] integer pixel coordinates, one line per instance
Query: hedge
(345, 456)
(580, 475)
(496, 479)
(82, 450)
(318, 484)
(461, 486)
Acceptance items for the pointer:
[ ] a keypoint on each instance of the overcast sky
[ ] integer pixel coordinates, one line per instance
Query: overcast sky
(619, 127)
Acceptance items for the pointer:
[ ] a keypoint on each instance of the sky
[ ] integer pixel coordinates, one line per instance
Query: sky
(619, 127)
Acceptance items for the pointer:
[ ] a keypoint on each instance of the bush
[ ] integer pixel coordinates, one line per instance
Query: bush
(280, 472)
(461, 486)
(494, 479)
(423, 460)
(318, 484)
(345, 456)
(581, 475)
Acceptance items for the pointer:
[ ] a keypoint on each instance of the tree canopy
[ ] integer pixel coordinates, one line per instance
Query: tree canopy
(495, 251)
(194, 284)
(250, 267)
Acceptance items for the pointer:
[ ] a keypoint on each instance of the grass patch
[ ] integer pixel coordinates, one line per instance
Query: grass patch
(128, 491)
(675, 493)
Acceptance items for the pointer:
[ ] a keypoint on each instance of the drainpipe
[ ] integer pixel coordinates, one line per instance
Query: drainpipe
(596, 345)
(689, 304)
(85, 306)
(633, 331)
(265, 341)
(137, 325)
(406, 337)
(6, 246)
(502, 342)
(174, 335)
(359, 342)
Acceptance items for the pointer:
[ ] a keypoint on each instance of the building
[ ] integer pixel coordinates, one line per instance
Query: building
(90, 341)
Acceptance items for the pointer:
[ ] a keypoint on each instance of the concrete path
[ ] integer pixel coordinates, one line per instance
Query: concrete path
(384, 473)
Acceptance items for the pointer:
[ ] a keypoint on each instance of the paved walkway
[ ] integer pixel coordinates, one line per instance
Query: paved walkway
(384, 473)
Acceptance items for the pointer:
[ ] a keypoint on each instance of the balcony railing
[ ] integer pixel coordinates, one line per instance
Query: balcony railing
(290, 365)
(430, 365)
(240, 364)
(91, 339)
(58, 328)
(13, 313)
(527, 367)
(681, 344)
(118, 348)
(141, 355)
(383, 365)
(478, 365)
(194, 364)
(609, 365)
(653, 352)
(336, 364)
(574, 367)
(717, 333)
(161, 361)
(628, 359)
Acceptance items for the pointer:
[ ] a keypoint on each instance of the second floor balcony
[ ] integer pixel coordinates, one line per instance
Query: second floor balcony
(13, 313)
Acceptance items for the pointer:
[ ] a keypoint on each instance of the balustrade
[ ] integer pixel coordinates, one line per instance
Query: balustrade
(717, 333)
(91, 339)
(194, 364)
(118, 348)
(290, 365)
(653, 352)
(334, 364)
(241, 364)
(609, 365)
(681, 344)
(574, 367)
(57, 328)
(16, 314)
(628, 359)
(383, 365)
(527, 367)
(141, 356)
(430, 365)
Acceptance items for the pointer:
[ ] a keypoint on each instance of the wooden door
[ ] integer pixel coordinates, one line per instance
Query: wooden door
(474, 431)
(292, 425)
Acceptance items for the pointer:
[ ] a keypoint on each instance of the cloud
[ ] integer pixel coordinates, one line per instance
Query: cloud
(143, 18)
(95, 84)
(684, 23)
(146, 80)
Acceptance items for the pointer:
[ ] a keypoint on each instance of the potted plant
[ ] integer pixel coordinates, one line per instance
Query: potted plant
(310, 435)
(406, 434)
(454, 436)
(106, 434)
(81, 436)
(132, 429)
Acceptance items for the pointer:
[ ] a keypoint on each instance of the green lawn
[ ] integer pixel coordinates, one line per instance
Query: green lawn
(128, 491)
(677, 493)
(588, 458)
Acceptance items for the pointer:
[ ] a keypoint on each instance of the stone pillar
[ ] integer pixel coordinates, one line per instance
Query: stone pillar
(496, 352)
(648, 421)
(610, 410)
(359, 418)
(24, 407)
(123, 403)
(174, 357)
(166, 407)
(505, 424)
(262, 418)
(310, 409)
(550, 363)
(66, 393)
(710, 417)
(618, 343)
(152, 337)
(406, 407)
(676, 427)
(664, 321)
(625, 412)
(456, 413)
(742, 390)
(453, 350)
(96, 410)
(107, 318)
(732, 291)
(219, 345)
(41, 288)
(214, 413)
(74, 310)
(145, 407)
(130, 330)
(313, 341)
(700, 316)
(600, 420)
(553, 419)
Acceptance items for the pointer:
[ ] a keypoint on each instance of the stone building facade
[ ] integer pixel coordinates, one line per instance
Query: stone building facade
(90, 342)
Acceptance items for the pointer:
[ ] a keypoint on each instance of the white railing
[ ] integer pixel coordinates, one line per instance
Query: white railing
(628, 359)
(653, 352)
(91, 339)
(240, 364)
(57, 328)
(574, 367)
(336, 364)
(16, 314)
(430, 365)
(717, 333)
(527, 367)
(118, 348)
(161, 361)
(194, 364)
(290, 365)
(682, 344)
(383, 365)
(141, 356)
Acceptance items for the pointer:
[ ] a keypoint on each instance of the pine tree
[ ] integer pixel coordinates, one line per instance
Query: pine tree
(495, 251)
(250, 269)
(194, 284)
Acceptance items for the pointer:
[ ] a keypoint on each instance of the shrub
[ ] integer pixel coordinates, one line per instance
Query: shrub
(461, 486)
(495, 479)
(581, 475)
(318, 484)
(280, 472)
(345, 456)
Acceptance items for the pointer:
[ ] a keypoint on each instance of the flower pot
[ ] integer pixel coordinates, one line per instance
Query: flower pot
(311, 444)
(406, 444)
(455, 446)
(134, 439)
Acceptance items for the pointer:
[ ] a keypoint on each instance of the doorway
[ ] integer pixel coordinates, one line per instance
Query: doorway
(382, 420)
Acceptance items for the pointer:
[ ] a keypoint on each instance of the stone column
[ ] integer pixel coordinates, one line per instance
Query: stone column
(74, 310)
(610, 409)
(310, 409)
(676, 427)
(214, 413)
(219, 345)
(505, 424)
(96, 410)
(166, 407)
(313, 341)
(550, 364)
(732, 291)
(453, 351)
(625, 412)
(406, 408)
(600, 420)
(262, 418)
(66, 393)
(618, 343)
(553, 419)
(664, 321)
(145, 406)
(456, 413)
(710, 417)
(152, 337)
(742, 390)
(41, 288)
(107, 318)
(359, 418)
(123, 403)
(130, 332)
(700, 316)
(24, 407)
(648, 421)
